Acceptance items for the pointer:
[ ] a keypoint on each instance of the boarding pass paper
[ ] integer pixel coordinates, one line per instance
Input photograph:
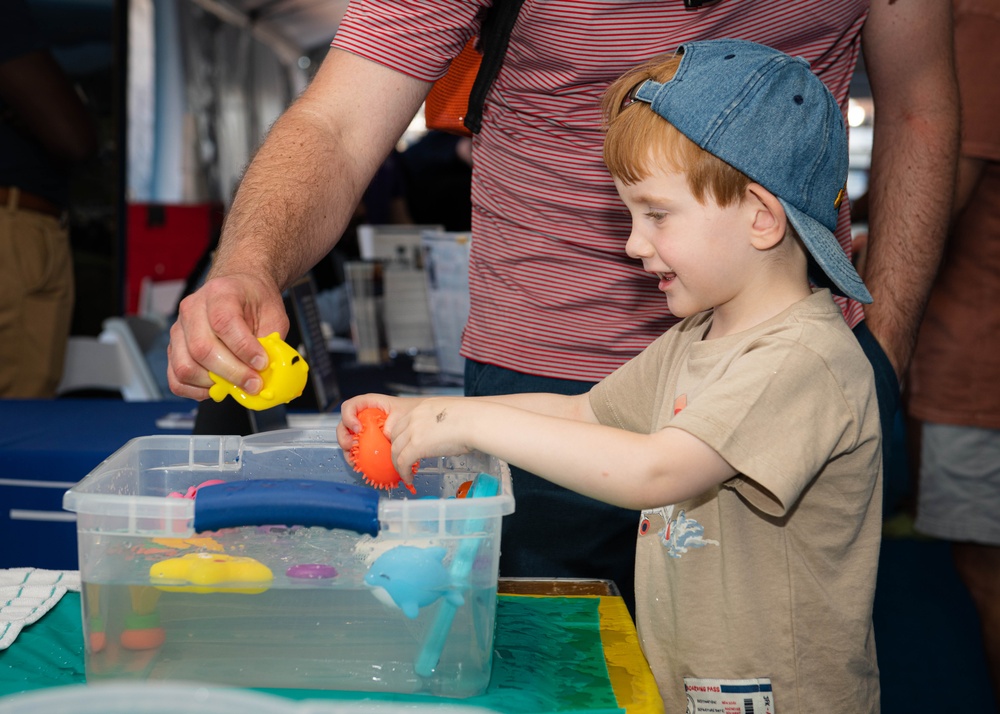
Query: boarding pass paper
(729, 696)
(28, 593)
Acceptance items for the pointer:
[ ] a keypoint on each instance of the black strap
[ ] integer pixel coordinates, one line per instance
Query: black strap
(493, 39)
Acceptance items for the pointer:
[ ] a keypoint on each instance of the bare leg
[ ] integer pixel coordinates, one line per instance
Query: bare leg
(979, 567)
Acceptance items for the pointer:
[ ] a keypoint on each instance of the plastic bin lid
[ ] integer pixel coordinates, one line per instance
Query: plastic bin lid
(143, 698)
(196, 698)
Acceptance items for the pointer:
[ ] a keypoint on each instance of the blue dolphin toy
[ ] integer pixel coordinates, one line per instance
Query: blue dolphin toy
(412, 578)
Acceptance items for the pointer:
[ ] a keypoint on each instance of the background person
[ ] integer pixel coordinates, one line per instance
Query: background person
(44, 129)
(954, 385)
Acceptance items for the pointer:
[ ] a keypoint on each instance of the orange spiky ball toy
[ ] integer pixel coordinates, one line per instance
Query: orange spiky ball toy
(371, 452)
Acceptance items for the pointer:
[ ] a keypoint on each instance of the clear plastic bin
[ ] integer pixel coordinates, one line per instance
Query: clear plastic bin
(291, 572)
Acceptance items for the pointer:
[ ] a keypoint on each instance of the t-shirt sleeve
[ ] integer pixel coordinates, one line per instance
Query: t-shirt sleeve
(416, 38)
(619, 400)
(626, 398)
(778, 415)
(977, 62)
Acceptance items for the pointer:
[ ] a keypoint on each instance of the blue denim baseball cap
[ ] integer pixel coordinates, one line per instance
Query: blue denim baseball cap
(767, 115)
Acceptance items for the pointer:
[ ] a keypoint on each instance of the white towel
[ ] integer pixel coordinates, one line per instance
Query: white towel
(28, 593)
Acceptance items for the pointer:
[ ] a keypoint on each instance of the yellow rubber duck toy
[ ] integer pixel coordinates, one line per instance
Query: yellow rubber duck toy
(284, 377)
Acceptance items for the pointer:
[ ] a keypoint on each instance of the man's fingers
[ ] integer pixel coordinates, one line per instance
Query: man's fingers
(196, 349)
(217, 330)
(184, 377)
(237, 319)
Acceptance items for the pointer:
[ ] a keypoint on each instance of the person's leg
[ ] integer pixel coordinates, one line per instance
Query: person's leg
(959, 501)
(36, 303)
(979, 567)
(554, 532)
(10, 301)
(48, 307)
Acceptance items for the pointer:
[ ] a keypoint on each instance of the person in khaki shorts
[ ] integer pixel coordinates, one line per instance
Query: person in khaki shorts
(749, 433)
(44, 127)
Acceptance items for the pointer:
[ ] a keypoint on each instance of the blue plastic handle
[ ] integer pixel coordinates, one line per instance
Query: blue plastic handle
(288, 502)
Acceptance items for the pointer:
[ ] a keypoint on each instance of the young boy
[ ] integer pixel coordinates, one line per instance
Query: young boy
(748, 433)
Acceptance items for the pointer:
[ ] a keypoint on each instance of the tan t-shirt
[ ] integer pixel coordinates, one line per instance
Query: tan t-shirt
(772, 575)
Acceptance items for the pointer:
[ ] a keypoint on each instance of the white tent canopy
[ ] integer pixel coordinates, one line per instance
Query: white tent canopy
(288, 25)
(206, 79)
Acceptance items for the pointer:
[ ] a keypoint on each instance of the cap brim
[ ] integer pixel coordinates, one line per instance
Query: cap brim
(829, 256)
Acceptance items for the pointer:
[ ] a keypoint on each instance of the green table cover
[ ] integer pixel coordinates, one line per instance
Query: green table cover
(548, 657)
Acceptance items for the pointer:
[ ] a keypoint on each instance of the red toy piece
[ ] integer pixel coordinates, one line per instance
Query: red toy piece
(142, 632)
(371, 452)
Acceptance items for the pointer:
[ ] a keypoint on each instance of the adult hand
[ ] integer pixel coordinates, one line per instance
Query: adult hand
(217, 329)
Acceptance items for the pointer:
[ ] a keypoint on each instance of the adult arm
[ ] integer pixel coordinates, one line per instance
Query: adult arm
(291, 207)
(909, 57)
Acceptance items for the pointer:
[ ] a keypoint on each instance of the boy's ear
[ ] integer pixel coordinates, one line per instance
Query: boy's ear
(768, 215)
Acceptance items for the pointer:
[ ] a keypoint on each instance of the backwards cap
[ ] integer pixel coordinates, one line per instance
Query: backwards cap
(767, 115)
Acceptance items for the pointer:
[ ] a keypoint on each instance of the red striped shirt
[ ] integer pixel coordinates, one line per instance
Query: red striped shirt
(552, 291)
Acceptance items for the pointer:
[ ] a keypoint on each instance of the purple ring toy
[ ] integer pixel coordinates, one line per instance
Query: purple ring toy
(311, 571)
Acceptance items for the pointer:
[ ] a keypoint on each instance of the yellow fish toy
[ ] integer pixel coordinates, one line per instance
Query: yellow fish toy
(211, 573)
(284, 377)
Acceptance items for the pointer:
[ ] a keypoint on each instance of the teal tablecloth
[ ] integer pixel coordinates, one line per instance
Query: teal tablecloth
(548, 657)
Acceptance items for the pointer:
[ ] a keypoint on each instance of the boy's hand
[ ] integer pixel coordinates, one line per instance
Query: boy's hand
(350, 424)
(437, 426)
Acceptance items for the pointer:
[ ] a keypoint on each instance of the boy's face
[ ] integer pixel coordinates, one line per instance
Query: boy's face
(700, 252)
